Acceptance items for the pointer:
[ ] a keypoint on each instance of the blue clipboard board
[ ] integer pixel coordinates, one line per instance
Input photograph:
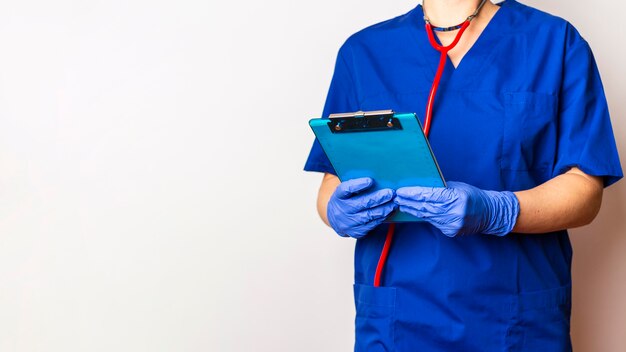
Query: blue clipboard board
(390, 148)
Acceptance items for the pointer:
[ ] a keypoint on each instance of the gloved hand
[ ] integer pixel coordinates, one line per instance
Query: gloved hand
(461, 208)
(353, 211)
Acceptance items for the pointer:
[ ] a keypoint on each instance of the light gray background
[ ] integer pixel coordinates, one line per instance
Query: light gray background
(151, 192)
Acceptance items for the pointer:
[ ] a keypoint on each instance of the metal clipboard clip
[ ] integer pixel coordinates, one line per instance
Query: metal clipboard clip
(363, 121)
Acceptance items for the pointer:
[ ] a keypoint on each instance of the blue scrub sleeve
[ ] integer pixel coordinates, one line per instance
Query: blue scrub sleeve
(585, 134)
(341, 97)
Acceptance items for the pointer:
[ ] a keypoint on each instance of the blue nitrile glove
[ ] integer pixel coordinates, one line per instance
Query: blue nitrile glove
(461, 208)
(353, 211)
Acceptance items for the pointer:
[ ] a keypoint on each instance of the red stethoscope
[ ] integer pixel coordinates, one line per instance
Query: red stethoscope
(443, 50)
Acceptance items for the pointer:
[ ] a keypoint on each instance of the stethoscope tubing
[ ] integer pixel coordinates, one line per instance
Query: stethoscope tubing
(443, 50)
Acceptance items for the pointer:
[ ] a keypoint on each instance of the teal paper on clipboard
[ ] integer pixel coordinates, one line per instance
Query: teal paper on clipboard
(390, 148)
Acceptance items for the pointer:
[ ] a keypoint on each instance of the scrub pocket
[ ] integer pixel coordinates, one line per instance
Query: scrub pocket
(529, 143)
(541, 321)
(375, 315)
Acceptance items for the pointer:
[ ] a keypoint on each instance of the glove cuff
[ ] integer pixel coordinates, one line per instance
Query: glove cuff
(506, 210)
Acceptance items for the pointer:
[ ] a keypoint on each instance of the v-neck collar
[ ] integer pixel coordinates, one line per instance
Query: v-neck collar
(474, 59)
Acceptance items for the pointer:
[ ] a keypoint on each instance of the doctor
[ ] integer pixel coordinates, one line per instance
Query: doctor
(521, 129)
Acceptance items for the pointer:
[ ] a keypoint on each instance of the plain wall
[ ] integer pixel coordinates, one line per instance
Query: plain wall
(151, 192)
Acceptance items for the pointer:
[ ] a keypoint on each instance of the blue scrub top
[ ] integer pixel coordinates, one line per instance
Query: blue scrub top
(524, 105)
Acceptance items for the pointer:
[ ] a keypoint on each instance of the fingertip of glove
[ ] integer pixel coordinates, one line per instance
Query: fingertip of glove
(350, 187)
(364, 181)
(391, 206)
(414, 192)
(403, 192)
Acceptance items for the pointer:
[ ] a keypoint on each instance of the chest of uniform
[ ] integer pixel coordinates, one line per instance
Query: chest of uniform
(477, 135)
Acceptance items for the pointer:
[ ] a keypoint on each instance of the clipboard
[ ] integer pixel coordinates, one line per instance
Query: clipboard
(389, 147)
